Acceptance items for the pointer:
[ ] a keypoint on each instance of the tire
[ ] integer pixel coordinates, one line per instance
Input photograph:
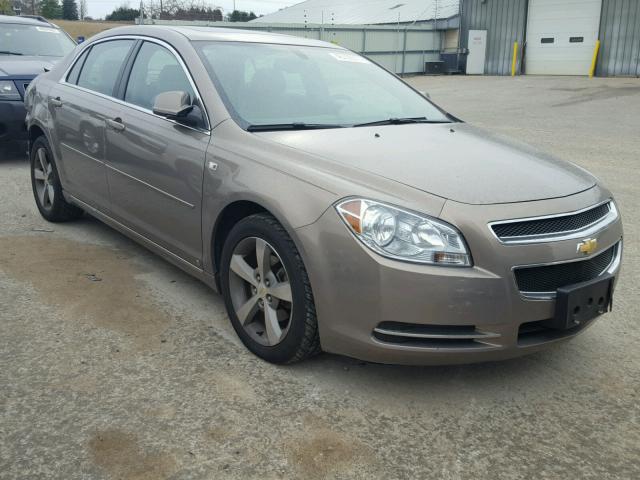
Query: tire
(45, 183)
(296, 319)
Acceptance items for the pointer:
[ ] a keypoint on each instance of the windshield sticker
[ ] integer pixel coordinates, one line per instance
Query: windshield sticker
(348, 57)
(48, 30)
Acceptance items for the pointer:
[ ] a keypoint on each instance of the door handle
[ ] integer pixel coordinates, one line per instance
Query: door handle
(56, 102)
(116, 124)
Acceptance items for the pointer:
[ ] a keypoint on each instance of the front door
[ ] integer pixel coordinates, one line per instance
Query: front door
(155, 165)
(477, 52)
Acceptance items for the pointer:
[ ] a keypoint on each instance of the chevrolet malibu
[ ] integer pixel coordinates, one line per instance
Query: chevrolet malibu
(333, 206)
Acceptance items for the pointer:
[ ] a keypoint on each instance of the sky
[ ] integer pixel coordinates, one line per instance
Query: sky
(100, 8)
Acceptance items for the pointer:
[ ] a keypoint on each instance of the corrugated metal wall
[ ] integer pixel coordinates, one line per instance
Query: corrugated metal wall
(399, 48)
(504, 21)
(620, 38)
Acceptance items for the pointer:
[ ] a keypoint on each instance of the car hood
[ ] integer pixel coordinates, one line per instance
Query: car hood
(24, 66)
(454, 161)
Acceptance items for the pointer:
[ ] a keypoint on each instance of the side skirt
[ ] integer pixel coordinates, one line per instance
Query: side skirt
(171, 257)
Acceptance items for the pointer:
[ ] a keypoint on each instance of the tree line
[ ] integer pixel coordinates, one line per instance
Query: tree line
(67, 10)
(156, 9)
(179, 10)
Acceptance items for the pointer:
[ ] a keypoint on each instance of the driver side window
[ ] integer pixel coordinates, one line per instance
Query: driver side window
(155, 70)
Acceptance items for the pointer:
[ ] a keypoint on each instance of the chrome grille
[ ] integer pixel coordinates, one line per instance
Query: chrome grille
(555, 226)
(548, 278)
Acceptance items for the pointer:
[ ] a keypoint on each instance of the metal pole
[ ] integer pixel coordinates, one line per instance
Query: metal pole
(594, 60)
(435, 24)
(395, 58)
(460, 13)
(306, 24)
(435, 16)
(141, 13)
(364, 40)
(404, 51)
(333, 24)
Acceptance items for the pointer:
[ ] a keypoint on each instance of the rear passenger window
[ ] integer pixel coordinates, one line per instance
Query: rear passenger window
(75, 70)
(102, 66)
(155, 70)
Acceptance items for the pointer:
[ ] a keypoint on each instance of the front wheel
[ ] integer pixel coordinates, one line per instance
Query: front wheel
(267, 291)
(46, 185)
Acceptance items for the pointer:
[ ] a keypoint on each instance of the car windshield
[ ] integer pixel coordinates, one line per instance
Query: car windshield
(18, 39)
(268, 84)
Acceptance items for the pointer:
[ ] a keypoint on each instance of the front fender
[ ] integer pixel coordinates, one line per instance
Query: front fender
(293, 202)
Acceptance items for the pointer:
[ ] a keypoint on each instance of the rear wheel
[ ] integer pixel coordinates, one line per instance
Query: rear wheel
(267, 291)
(46, 185)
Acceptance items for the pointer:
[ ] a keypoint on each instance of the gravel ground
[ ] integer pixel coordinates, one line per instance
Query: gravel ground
(115, 365)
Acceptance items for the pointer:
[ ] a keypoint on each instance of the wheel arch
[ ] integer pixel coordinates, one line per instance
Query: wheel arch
(231, 214)
(35, 131)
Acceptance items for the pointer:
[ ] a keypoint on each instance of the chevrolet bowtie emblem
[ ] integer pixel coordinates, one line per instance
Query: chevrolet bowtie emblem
(588, 246)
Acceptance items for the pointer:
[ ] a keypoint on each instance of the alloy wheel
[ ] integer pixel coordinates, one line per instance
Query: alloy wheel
(260, 291)
(43, 176)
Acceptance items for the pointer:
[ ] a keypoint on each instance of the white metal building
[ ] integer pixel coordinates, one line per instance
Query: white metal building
(555, 37)
(401, 35)
(364, 12)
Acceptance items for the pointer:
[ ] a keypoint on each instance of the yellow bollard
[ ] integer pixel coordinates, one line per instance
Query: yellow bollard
(515, 59)
(594, 60)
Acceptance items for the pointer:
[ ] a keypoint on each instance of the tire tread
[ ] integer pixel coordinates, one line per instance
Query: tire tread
(62, 211)
(309, 338)
(310, 345)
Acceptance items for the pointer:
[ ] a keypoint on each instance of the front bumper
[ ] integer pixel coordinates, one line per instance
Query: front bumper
(474, 314)
(13, 132)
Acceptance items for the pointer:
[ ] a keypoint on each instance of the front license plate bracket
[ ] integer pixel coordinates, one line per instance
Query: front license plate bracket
(579, 303)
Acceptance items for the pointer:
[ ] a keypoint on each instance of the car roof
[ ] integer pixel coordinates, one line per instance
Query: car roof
(218, 34)
(39, 21)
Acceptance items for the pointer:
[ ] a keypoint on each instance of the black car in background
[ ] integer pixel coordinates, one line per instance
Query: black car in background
(28, 46)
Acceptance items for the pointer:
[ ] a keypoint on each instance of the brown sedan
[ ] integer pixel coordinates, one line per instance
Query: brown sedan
(333, 206)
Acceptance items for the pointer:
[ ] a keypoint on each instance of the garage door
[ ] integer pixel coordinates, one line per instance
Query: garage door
(561, 36)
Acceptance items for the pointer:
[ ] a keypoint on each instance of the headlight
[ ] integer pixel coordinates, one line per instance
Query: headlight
(403, 235)
(8, 91)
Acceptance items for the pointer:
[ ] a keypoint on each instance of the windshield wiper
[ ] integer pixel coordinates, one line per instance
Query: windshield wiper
(7, 52)
(400, 121)
(291, 126)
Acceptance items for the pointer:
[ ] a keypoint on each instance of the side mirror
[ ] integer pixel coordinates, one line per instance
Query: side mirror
(425, 94)
(172, 105)
(80, 39)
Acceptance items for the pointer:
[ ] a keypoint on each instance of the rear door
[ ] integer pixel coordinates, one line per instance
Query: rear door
(79, 106)
(155, 165)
